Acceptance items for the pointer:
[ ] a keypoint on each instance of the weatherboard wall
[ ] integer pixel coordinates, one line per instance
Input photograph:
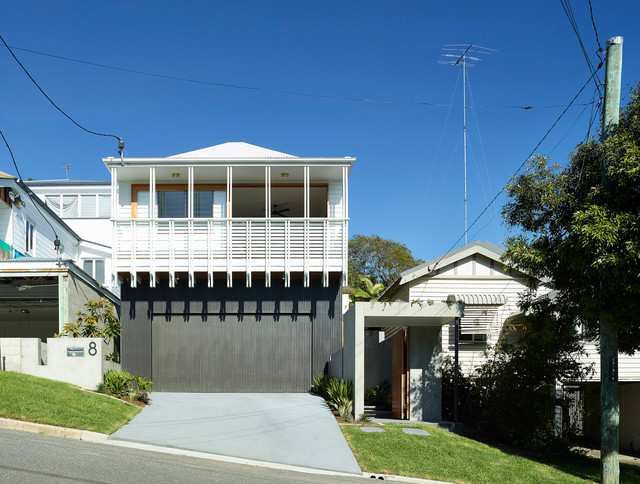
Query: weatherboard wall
(474, 275)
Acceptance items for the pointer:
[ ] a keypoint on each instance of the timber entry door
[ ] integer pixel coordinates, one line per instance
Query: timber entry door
(231, 353)
(399, 375)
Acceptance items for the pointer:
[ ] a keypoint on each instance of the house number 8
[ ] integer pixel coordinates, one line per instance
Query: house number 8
(93, 351)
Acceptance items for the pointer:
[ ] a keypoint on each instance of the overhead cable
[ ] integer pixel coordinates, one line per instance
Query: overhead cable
(516, 172)
(279, 91)
(595, 30)
(50, 100)
(566, 5)
(29, 193)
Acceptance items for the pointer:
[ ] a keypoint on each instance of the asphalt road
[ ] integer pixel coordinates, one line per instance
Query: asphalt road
(34, 458)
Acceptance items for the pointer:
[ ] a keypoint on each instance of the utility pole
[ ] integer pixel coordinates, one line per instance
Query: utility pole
(609, 403)
(461, 60)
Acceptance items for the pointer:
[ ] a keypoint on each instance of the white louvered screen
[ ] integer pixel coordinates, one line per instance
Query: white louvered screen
(479, 319)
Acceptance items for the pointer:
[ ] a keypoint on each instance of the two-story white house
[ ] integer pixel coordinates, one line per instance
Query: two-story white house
(42, 283)
(232, 260)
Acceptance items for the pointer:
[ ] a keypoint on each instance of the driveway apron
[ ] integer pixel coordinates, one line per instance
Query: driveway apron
(286, 428)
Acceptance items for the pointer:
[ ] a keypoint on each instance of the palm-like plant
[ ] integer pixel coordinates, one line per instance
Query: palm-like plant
(370, 292)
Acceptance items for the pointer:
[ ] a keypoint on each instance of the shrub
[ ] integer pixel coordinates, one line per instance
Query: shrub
(344, 406)
(320, 384)
(118, 383)
(379, 394)
(99, 321)
(122, 383)
(511, 398)
(339, 392)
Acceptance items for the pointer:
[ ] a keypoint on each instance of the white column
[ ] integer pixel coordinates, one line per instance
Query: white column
(190, 212)
(229, 224)
(306, 228)
(152, 226)
(267, 226)
(114, 227)
(190, 192)
(345, 215)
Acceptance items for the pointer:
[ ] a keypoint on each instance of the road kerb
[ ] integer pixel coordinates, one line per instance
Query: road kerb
(36, 428)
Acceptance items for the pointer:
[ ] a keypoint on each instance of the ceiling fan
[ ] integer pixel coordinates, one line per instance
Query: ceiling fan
(278, 211)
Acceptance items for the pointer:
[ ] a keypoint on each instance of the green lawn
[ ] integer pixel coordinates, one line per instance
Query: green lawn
(445, 456)
(33, 399)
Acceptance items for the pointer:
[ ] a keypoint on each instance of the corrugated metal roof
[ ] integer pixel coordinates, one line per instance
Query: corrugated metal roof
(64, 182)
(232, 150)
(6, 175)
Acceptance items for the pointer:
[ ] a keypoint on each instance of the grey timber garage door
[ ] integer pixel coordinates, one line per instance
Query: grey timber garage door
(231, 353)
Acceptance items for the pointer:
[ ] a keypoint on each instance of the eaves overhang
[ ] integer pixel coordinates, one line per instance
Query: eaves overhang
(32, 267)
(176, 162)
(394, 314)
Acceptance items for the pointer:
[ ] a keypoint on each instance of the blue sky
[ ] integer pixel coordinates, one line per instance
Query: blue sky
(407, 183)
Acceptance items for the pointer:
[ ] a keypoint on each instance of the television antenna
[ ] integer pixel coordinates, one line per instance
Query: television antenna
(67, 167)
(457, 55)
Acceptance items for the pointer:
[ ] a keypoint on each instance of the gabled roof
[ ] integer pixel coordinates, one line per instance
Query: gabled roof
(486, 248)
(231, 150)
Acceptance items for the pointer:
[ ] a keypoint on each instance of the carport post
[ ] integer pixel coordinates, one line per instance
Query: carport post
(455, 369)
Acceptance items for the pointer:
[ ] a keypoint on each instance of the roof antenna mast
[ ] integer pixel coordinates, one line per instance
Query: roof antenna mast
(457, 55)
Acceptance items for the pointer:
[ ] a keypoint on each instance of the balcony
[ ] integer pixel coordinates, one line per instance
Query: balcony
(228, 245)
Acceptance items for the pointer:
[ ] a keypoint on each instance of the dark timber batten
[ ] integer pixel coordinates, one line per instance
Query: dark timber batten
(234, 339)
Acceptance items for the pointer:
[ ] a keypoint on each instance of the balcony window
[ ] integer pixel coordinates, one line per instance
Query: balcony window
(173, 204)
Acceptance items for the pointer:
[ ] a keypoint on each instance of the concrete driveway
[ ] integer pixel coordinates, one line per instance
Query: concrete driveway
(286, 428)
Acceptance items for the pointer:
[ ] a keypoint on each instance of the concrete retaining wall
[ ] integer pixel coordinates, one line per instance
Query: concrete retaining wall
(80, 361)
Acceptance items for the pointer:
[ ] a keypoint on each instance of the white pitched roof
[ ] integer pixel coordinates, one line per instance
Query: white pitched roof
(486, 248)
(232, 150)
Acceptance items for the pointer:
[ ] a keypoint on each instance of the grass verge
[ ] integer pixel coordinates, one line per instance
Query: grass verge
(445, 456)
(33, 399)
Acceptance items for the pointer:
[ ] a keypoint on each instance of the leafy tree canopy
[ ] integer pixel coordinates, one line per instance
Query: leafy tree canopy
(581, 234)
(380, 260)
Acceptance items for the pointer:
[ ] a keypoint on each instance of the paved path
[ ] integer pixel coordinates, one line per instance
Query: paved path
(286, 428)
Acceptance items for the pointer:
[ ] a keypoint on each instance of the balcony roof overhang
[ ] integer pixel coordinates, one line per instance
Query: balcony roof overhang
(181, 162)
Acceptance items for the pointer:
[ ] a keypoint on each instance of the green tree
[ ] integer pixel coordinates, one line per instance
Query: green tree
(581, 234)
(380, 260)
(580, 230)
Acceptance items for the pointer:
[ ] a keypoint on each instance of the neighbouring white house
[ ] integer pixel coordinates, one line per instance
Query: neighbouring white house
(85, 207)
(409, 355)
(42, 284)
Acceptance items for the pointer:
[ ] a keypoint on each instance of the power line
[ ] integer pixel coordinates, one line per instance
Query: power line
(595, 30)
(516, 172)
(51, 101)
(279, 91)
(566, 5)
(29, 193)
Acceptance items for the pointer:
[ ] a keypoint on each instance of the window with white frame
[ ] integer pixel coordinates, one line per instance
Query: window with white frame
(173, 203)
(89, 205)
(95, 268)
(30, 238)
